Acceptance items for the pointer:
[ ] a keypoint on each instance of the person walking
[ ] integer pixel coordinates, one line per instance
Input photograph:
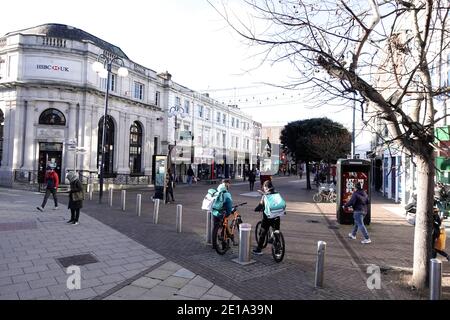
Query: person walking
(76, 197)
(252, 179)
(359, 202)
(169, 186)
(51, 179)
(190, 174)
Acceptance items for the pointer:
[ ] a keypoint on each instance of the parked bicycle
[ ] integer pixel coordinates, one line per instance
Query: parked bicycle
(275, 238)
(325, 193)
(226, 230)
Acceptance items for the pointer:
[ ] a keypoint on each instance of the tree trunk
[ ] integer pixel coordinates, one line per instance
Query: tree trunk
(308, 181)
(424, 216)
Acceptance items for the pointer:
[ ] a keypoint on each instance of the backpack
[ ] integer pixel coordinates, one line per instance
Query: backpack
(274, 205)
(209, 199)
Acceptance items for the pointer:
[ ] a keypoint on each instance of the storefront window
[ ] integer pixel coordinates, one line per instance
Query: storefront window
(108, 163)
(135, 147)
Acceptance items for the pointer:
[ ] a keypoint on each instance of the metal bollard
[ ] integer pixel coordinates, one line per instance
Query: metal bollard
(209, 227)
(179, 217)
(111, 190)
(124, 197)
(245, 241)
(138, 204)
(90, 188)
(320, 264)
(156, 211)
(435, 279)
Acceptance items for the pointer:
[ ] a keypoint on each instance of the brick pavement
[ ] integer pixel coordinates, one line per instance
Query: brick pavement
(31, 242)
(305, 224)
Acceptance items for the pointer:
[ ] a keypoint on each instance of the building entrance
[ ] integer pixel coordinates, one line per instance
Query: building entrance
(49, 154)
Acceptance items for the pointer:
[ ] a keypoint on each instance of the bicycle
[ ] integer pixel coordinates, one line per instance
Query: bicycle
(274, 237)
(223, 235)
(325, 193)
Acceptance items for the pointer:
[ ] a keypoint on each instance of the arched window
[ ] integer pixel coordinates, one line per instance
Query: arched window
(2, 121)
(108, 163)
(52, 117)
(135, 147)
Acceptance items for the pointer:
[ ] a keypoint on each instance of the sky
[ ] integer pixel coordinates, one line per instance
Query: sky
(191, 41)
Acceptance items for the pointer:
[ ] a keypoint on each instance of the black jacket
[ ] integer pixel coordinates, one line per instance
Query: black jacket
(75, 186)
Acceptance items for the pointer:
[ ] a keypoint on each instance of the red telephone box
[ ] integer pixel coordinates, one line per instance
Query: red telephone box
(349, 172)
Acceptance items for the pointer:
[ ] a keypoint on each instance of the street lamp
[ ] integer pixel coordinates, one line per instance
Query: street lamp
(104, 71)
(175, 111)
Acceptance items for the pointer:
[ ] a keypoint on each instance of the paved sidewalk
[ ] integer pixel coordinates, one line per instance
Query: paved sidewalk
(32, 241)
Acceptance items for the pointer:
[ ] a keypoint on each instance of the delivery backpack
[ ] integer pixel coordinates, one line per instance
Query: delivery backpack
(274, 205)
(213, 200)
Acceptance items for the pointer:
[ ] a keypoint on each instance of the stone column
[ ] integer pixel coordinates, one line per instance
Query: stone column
(69, 156)
(147, 146)
(123, 144)
(29, 143)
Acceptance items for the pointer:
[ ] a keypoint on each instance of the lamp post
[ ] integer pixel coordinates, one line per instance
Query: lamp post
(175, 111)
(104, 71)
(353, 126)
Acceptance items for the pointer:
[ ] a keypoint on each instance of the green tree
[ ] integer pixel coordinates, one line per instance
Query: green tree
(315, 140)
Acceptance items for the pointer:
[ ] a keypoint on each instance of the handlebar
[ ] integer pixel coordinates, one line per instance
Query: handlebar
(239, 205)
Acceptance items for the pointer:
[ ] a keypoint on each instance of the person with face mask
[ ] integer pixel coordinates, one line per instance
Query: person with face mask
(268, 220)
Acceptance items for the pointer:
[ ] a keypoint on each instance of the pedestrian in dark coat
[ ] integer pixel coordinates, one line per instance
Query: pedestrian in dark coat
(76, 197)
(252, 179)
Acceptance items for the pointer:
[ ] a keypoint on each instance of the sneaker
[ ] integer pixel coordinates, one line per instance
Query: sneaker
(351, 236)
(257, 251)
(75, 222)
(55, 208)
(366, 241)
(40, 209)
(70, 221)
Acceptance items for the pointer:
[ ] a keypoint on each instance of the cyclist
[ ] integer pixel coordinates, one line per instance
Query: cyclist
(268, 196)
(223, 206)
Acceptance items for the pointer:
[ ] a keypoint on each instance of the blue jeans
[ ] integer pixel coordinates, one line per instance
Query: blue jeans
(359, 223)
(189, 180)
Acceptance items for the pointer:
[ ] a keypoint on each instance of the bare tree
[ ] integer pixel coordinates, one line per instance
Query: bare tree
(383, 54)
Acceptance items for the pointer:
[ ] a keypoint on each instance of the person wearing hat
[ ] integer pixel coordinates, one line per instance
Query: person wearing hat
(76, 197)
(359, 202)
(52, 181)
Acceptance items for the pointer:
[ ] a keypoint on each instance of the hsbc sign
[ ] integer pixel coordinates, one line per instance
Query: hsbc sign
(52, 67)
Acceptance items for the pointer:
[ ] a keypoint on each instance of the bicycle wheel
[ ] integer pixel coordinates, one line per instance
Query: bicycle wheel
(278, 247)
(235, 228)
(258, 231)
(317, 197)
(222, 244)
(333, 197)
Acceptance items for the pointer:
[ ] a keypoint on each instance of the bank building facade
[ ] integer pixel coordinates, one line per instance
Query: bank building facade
(52, 105)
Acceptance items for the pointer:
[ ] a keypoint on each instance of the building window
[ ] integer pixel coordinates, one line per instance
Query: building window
(218, 139)
(237, 123)
(135, 147)
(232, 122)
(178, 101)
(112, 83)
(187, 106)
(248, 145)
(52, 117)
(218, 117)
(108, 162)
(224, 119)
(157, 97)
(2, 123)
(224, 140)
(2, 68)
(138, 90)
(200, 111)
(207, 113)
